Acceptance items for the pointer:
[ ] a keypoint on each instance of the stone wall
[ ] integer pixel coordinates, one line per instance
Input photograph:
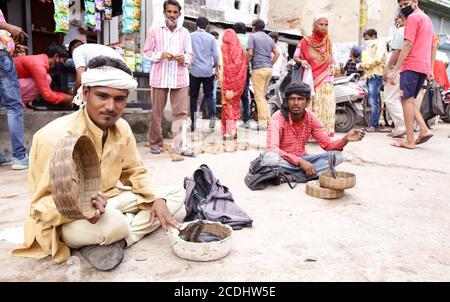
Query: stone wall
(138, 119)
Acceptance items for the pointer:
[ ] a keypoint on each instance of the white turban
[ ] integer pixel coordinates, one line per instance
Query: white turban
(105, 76)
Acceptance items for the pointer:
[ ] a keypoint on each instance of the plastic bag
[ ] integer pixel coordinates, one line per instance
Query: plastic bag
(308, 79)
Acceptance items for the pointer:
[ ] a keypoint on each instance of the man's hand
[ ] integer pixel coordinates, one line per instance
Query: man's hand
(18, 34)
(392, 77)
(68, 101)
(430, 76)
(20, 50)
(354, 135)
(307, 167)
(159, 210)
(167, 56)
(99, 201)
(179, 58)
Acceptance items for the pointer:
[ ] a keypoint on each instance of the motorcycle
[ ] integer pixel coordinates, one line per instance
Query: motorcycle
(446, 101)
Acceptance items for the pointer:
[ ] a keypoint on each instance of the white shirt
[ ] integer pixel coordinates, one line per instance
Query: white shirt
(83, 54)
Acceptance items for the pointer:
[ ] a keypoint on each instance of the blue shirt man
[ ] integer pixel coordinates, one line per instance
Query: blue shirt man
(206, 58)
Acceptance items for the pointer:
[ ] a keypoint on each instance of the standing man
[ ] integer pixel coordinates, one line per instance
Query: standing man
(374, 66)
(259, 53)
(392, 97)
(416, 63)
(168, 47)
(202, 72)
(10, 91)
(240, 29)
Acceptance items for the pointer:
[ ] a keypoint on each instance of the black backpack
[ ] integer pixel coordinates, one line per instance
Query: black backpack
(207, 199)
(260, 177)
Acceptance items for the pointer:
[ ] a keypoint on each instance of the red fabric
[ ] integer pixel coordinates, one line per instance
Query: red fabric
(36, 67)
(234, 79)
(440, 74)
(317, 50)
(290, 144)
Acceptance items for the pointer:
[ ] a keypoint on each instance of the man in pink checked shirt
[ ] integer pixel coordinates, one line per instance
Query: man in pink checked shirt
(168, 47)
(288, 134)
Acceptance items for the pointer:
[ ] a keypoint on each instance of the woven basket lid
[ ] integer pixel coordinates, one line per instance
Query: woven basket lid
(344, 180)
(75, 176)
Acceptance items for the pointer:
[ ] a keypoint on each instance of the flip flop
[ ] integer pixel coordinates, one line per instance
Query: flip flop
(155, 150)
(401, 144)
(103, 257)
(189, 153)
(424, 139)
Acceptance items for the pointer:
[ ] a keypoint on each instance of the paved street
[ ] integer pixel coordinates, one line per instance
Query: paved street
(393, 226)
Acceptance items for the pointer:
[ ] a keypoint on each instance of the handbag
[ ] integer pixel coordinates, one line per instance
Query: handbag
(432, 102)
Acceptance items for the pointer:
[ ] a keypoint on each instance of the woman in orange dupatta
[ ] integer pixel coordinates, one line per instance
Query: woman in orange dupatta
(316, 52)
(233, 83)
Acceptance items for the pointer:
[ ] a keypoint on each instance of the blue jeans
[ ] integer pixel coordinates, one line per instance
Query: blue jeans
(320, 163)
(10, 97)
(374, 87)
(245, 98)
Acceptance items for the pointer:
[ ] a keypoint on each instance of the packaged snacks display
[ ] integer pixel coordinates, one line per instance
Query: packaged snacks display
(107, 5)
(89, 14)
(99, 5)
(131, 16)
(61, 15)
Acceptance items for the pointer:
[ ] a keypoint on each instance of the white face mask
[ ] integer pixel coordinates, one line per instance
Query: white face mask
(370, 43)
(171, 23)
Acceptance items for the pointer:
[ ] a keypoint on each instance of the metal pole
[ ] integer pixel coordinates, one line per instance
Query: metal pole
(362, 20)
(29, 28)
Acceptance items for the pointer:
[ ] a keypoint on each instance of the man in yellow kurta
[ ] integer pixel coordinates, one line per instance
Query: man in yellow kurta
(129, 206)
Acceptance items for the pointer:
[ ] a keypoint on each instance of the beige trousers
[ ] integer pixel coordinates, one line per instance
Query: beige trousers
(179, 101)
(122, 219)
(260, 81)
(392, 99)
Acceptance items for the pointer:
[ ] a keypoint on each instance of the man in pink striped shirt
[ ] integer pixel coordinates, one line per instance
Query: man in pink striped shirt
(288, 134)
(168, 47)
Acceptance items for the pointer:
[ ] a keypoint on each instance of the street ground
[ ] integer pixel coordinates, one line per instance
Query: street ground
(393, 226)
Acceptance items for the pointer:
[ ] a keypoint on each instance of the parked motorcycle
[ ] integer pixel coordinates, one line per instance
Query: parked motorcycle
(446, 101)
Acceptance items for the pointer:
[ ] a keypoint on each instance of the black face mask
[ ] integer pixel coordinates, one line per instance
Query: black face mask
(407, 11)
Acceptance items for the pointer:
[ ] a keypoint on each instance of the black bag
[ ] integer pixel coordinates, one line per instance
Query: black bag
(260, 177)
(207, 199)
(297, 73)
(432, 102)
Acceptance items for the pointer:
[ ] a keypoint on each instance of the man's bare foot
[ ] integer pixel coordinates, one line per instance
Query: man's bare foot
(403, 144)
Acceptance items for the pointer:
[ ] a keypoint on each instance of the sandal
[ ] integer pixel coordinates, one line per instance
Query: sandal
(423, 139)
(155, 150)
(189, 153)
(103, 257)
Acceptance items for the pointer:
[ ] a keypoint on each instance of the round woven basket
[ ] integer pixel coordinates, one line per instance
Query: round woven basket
(344, 181)
(203, 251)
(314, 189)
(75, 177)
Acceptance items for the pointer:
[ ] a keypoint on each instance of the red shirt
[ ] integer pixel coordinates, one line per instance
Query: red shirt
(283, 139)
(37, 67)
(419, 31)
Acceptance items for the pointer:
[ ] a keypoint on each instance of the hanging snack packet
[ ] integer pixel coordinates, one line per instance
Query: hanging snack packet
(99, 5)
